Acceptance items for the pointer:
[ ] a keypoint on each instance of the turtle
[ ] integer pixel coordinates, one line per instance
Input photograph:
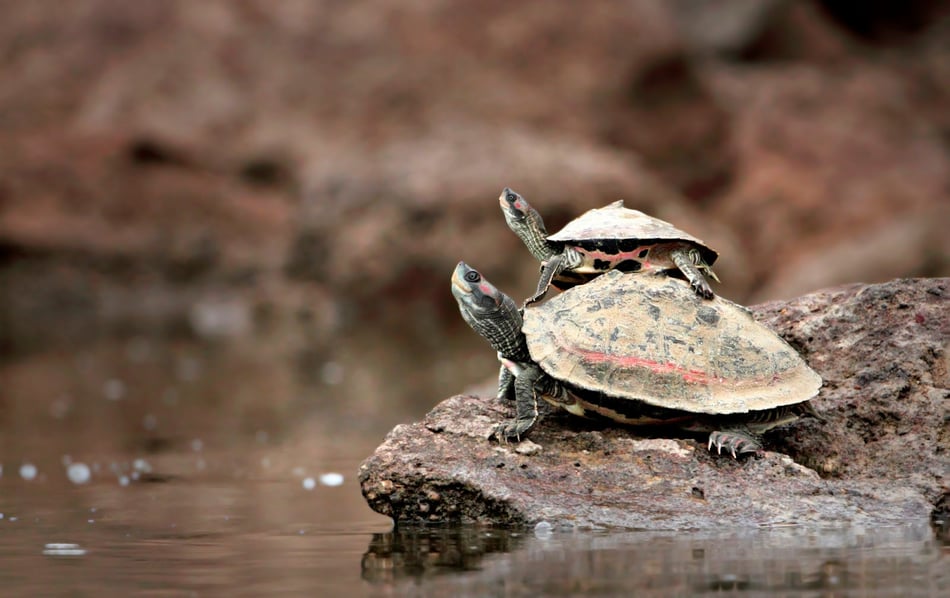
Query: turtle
(641, 350)
(602, 239)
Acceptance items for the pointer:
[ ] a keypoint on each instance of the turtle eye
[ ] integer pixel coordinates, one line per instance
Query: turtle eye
(511, 198)
(472, 276)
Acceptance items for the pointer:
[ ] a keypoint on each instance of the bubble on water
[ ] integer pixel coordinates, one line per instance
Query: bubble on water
(298, 472)
(123, 480)
(114, 389)
(149, 422)
(63, 549)
(78, 473)
(135, 475)
(141, 465)
(197, 445)
(331, 479)
(1, 515)
(93, 509)
(332, 373)
(12, 519)
(309, 483)
(28, 471)
(543, 530)
(90, 520)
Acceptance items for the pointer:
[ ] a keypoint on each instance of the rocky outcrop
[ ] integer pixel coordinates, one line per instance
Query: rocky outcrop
(882, 453)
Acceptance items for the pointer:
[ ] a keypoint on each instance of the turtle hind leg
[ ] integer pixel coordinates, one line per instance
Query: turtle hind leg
(690, 263)
(736, 441)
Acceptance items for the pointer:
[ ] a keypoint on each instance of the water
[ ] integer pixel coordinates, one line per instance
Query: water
(174, 468)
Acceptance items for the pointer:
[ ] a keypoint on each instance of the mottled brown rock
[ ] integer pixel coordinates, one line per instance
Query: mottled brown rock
(837, 178)
(881, 455)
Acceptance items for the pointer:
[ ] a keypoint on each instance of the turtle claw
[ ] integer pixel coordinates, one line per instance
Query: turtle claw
(511, 430)
(701, 288)
(735, 442)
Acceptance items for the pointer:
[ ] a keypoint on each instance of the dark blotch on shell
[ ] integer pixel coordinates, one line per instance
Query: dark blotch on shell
(601, 265)
(707, 315)
(592, 307)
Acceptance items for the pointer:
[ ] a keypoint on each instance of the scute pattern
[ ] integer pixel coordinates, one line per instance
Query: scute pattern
(651, 338)
(619, 224)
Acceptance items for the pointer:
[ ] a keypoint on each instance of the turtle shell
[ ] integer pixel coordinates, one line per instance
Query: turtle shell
(615, 222)
(650, 338)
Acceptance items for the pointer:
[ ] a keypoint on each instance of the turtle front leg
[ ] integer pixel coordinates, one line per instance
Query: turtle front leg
(550, 268)
(506, 384)
(690, 263)
(736, 441)
(526, 406)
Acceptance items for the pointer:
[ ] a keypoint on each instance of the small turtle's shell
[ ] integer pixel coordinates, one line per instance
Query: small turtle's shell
(650, 338)
(615, 222)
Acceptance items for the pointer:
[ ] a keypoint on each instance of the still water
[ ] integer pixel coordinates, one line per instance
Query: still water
(163, 468)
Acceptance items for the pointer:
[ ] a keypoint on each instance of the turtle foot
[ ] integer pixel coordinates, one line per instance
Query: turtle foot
(692, 266)
(734, 441)
(701, 288)
(511, 430)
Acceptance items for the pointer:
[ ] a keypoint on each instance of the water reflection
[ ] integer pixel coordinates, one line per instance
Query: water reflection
(417, 553)
(892, 561)
(170, 467)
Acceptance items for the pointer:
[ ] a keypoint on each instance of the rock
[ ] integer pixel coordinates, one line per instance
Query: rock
(880, 456)
(824, 160)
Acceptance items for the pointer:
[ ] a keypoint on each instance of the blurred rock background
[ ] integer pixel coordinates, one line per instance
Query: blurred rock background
(303, 175)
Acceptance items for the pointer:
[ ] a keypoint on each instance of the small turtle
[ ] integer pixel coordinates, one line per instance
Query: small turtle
(612, 237)
(640, 350)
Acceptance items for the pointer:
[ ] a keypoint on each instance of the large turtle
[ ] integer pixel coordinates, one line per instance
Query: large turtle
(640, 350)
(612, 237)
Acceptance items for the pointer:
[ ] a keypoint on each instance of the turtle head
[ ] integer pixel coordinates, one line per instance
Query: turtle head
(525, 222)
(489, 312)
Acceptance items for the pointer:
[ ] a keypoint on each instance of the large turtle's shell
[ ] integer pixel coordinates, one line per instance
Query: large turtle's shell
(617, 222)
(651, 338)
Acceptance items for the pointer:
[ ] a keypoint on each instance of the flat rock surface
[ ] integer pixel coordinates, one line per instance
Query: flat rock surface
(880, 456)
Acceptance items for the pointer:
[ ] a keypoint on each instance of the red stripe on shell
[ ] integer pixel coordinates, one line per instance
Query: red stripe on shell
(657, 367)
